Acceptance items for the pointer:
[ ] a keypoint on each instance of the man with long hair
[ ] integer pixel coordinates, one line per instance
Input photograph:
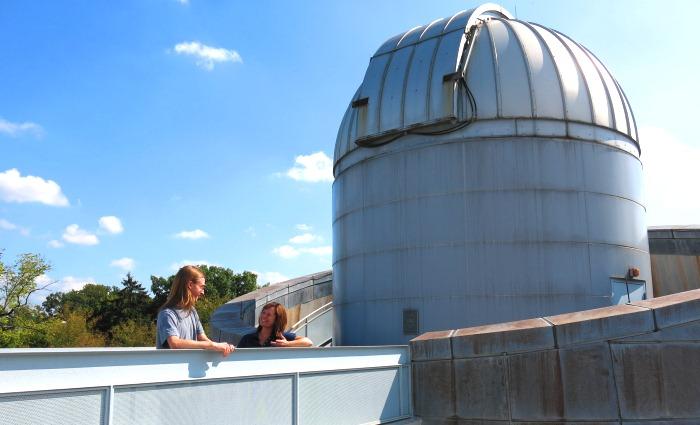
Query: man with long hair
(178, 322)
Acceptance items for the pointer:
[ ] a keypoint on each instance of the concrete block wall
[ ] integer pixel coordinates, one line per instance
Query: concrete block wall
(629, 364)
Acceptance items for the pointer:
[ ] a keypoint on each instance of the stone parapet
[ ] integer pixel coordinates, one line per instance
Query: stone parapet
(627, 364)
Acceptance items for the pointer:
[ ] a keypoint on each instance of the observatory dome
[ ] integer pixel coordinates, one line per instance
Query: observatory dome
(486, 170)
(482, 64)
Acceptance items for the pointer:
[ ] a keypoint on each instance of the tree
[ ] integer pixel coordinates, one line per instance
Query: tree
(160, 287)
(53, 304)
(129, 303)
(223, 282)
(133, 334)
(73, 331)
(244, 283)
(133, 300)
(29, 329)
(92, 299)
(18, 283)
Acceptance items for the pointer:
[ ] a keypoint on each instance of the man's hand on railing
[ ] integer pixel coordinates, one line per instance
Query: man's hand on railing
(202, 342)
(224, 347)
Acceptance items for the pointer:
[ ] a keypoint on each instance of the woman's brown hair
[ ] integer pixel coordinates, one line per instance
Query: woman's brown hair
(280, 319)
(180, 295)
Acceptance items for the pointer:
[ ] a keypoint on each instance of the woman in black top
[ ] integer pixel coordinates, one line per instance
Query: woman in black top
(270, 333)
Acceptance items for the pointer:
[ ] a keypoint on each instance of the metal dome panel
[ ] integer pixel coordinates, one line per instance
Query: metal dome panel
(416, 82)
(415, 107)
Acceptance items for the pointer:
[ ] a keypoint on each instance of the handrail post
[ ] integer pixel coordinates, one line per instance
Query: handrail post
(110, 406)
(295, 399)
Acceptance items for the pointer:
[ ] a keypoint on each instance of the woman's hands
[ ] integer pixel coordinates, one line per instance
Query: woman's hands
(280, 342)
(300, 341)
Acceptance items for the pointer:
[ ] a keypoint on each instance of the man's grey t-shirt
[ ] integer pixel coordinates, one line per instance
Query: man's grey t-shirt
(183, 324)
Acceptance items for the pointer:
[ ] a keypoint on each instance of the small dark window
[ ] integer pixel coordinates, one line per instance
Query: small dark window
(410, 321)
(627, 290)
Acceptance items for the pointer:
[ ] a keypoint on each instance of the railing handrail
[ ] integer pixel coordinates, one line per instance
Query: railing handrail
(306, 319)
(47, 369)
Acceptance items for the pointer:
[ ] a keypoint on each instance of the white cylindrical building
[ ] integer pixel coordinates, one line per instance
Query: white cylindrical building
(486, 170)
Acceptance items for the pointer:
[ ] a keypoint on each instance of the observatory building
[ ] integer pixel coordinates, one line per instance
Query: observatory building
(486, 170)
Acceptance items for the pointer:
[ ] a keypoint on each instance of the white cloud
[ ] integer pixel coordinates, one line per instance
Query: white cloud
(55, 244)
(286, 251)
(303, 227)
(317, 167)
(176, 266)
(183, 1)
(68, 283)
(74, 234)
(207, 56)
(17, 129)
(671, 174)
(42, 280)
(111, 224)
(191, 234)
(16, 188)
(6, 225)
(270, 277)
(251, 231)
(305, 238)
(127, 264)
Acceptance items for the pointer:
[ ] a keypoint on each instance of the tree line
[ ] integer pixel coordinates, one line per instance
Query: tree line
(97, 315)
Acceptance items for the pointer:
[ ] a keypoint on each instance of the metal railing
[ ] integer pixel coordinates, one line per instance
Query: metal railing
(317, 325)
(338, 385)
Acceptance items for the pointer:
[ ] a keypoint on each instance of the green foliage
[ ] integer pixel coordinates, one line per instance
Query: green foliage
(29, 329)
(92, 300)
(132, 300)
(98, 315)
(17, 283)
(133, 334)
(130, 303)
(160, 287)
(73, 331)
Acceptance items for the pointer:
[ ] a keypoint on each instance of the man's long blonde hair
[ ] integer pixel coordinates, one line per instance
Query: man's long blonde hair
(180, 295)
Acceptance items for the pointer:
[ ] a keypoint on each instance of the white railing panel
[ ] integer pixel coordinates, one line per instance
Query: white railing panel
(75, 408)
(322, 395)
(252, 386)
(241, 401)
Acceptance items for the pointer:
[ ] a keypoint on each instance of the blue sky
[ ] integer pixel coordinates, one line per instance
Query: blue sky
(141, 135)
